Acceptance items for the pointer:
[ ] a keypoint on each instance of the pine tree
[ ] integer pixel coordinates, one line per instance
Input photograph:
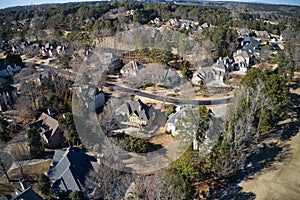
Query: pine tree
(36, 146)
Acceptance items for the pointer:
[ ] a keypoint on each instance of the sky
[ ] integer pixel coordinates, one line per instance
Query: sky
(11, 3)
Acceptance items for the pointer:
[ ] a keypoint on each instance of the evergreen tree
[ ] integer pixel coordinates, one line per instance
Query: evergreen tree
(4, 132)
(44, 185)
(76, 195)
(36, 146)
(12, 59)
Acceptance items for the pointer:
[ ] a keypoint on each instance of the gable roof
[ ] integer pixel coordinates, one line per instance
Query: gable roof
(244, 31)
(141, 110)
(242, 53)
(109, 58)
(155, 73)
(46, 124)
(90, 92)
(69, 170)
(132, 65)
(175, 117)
(131, 68)
(92, 96)
(26, 194)
(223, 64)
(207, 74)
(263, 34)
(250, 41)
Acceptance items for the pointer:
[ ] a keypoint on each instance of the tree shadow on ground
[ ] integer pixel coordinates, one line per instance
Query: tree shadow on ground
(239, 195)
(258, 161)
(264, 157)
(244, 195)
(292, 128)
(154, 147)
(261, 159)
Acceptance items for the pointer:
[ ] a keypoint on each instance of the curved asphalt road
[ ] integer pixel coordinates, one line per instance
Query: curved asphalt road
(168, 99)
(131, 91)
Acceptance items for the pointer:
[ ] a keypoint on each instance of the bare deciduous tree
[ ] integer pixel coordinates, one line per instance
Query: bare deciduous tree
(30, 91)
(150, 187)
(107, 183)
(5, 164)
(243, 126)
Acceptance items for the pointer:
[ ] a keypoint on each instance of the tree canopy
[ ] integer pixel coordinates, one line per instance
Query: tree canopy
(36, 146)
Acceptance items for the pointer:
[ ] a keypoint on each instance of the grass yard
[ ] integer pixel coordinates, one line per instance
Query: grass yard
(31, 172)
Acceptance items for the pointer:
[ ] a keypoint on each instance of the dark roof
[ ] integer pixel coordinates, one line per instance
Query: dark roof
(27, 194)
(250, 40)
(2, 65)
(8, 88)
(69, 170)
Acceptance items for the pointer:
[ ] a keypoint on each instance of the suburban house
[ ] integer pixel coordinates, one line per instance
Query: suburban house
(252, 47)
(49, 130)
(175, 121)
(186, 25)
(204, 25)
(111, 61)
(173, 22)
(135, 113)
(156, 22)
(47, 50)
(93, 98)
(129, 12)
(45, 74)
(69, 169)
(244, 32)
(207, 75)
(264, 36)
(224, 64)
(8, 70)
(169, 78)
(250, 40)
(241, 60)
(25, 193)
(8, 96)
(131, 69)
(154, 73)
(61, 49)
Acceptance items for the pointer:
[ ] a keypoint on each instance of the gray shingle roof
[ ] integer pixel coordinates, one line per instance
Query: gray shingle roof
(92, 96)
(27, 194)
(69, 170)
(249, 40)
(175, 117)
(141, 110)
(131, 68)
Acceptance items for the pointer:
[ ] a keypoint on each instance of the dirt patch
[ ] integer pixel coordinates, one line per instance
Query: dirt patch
(161, 138)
